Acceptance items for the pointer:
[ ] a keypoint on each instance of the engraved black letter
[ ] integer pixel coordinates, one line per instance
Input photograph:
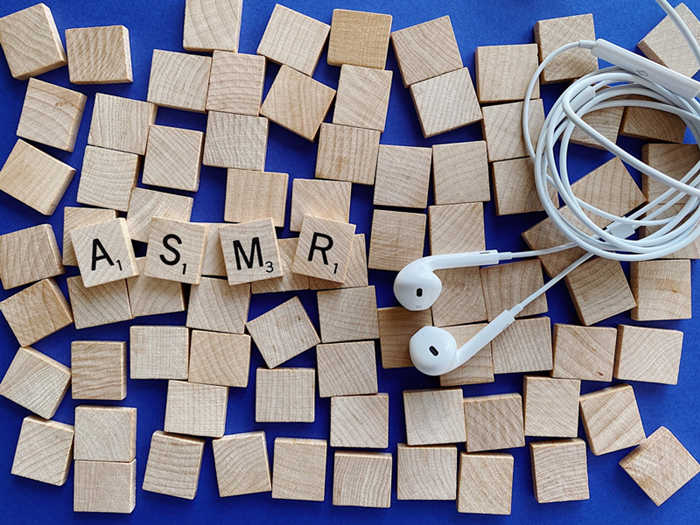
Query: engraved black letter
(166, 241)
(254, 249)
(322, 249)
(97, 245)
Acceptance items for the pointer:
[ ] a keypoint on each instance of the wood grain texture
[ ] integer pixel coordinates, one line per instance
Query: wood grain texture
(99, 55)
(426, 473)
(485, 483)
(146, 204)
(173, 158)
(323, 249)
(219, 359)
(218, 307)
(502, 129)
(173, 466)
(250, 251)
(397, 239)
(559, 470)
(104, 486)
(514, 187)
(504, 72)
(324, 199)
(349, 314)
(99, 305)
(607, 122)
(508, 284)
(108, 178)
(359, 38)
(479, 369)
(151, 296)
(179, 80)
(346, 369)
(212, 24)
(195, 409)
(285, 395)
(241, 464)
(525, 346)
(550, 406)
(74, 217)
(434, 417)
(461, 172)
(347, 154)
(289, 282)
(98, 370)
(396, 327)
(299, 469)
(648, 354)
(584, 352)
(653, 125)
(159, 352)
(403, 176)
(462, 298)
(44, 451)
(236, 83)
(662, 290)
(494, 422)
(253, 195)
(456, 228)
(553, 33)
(121, 123)
(360, 421)
(175, 250)
(363, 97)
(356, 276)
(362, 479)
(36, 244)
(213, 263)
(235, 141)
(105, 433)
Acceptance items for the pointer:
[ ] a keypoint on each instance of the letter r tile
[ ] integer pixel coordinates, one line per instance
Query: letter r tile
(324, 249)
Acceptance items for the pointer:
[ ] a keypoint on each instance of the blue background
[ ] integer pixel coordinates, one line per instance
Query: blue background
(614, 496)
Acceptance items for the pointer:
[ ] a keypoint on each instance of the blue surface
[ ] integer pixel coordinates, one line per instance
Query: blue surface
(614, 496)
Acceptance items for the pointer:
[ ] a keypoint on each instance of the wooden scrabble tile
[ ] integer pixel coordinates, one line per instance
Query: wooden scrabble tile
(349, 314)
(461, 172)
(98, 370)
(35, 382)
(504, 72)
(37, 245)
(356, 275)
(108, 178)
(283, 332)
(648, 354)
(211, 25)
(213, 263)
(396, 327)
(253, 195)
(494, 422)
(661, 289)
(297, 102)
(104, 486)
(360, 421)
(121, 123)
(75, 217)
(347, 154)
(363, 97)
(173, 465)
(553, 33)
(456, 228)
(99, 305)
(217, 307)
(675, 160)
(179, 80)
(446, 102)
(293, 39)
(397, 239)
(434, 417)
(359, 38)
(105, 433)
(403, 176)
(559, 470)
(323, 250)
(289, 282)
(660, 465)
(514, 187)
(550, 406)
(479, 369)
(506, 285)
(241, 464)
(426, 50)
(362, 479)
(502, 129)
(324, 199)
(611, 419)
(299, 469)
(44, 451)
(219, 359)
(426, 473)
(99, 55)
(31, 42)
(250, 251)
(51, 115)
(159, 352)
(152, 296)
(173, 158)
(525, 346)
(36, 312)
(235, 141)
(606, 121)
(35, 178)
(485, 483)
(147, 204)
(462, 298)
(584, 352)
(666, 45)
(285, 395)
(346, 369)
(653, 125)
(176, 250)
(195, 409)
(104, 252)
(236, 83)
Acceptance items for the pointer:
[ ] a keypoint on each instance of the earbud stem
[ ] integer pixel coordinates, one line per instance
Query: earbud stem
(486, 335)
(463, 260)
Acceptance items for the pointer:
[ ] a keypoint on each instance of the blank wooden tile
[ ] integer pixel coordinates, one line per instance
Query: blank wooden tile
(146, 204)
(359, 38)
(348, 315)
(121, 123)
(504, 72)
(506, 285)
(356, 275)
(289, 282)
(653, 125)
(347, 154)
(403, 175)
(611, 419)
(323, 199)
(105, 433)
(285, 395)
(550, 406)
(35, 178)
(661, 289)
(362, 479)
(98, 370)
(51, 115)
(297, 102)
(525, 346)
(479, 369)
(74, 217)
(104, 486)
(514, 187)
(648, 354)
(461, 172)
(434, 417)
(152, 296)
(36, 244)
(299, 469)
(559, 470)
(346, 369)
(494, 422)
(31, 42)
(553, 33)
(159, 352)
(195, 409)
(211, 25)
(173, 467)
(44, 451)
(396, 327)
(217, 307)
(235, 141)
(253, 195)
(241, 464)
(250, 251)
(283, 332)
(176, 250)
(35, 382)
(219, 359)
(607, 122)
(179, 80)
(426, 50)
(323, 249)
(660, 465)
(36, 312)
(236, 83)
(99, 55)
(446, 102)
(173, 158)
(426, 473)
(99, 305)
(294, 39)
(456, 228)
(363, 97)
(213, 264)
(108, 178)
(462, 298)
(360, 421)
(397, 239)
(502, 128)
(584, 352)
(485, 483)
